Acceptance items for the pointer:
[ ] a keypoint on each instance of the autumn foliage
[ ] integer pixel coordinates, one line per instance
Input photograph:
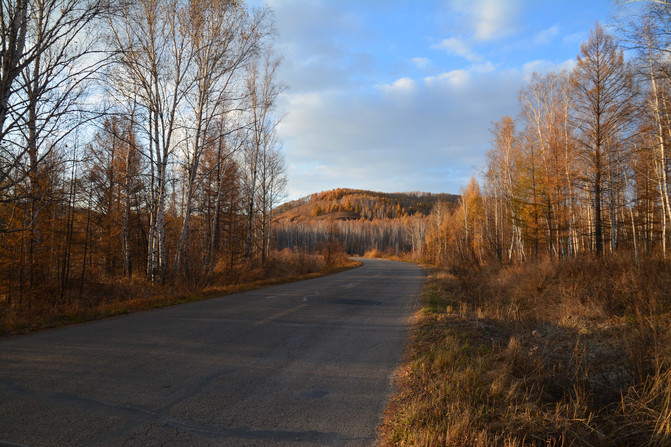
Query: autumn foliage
(580, 171)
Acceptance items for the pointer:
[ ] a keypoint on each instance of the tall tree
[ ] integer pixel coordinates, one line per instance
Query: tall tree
(546, 111)
(605, 107)
(223, 38)
(262, 89)
(113, 171)
(153, 61)
(272, 181)
(648, 34)
(47, 57)
(502, 175)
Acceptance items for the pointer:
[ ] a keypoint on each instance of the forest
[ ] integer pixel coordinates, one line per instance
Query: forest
(138, 148)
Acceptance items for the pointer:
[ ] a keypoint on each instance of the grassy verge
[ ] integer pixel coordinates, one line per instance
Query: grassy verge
(136, 296)
(573, 353)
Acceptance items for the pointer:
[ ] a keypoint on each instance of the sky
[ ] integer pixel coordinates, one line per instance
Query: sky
(398, 96)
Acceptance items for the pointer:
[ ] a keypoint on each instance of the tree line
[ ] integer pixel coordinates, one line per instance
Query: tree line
(359, 221)
(584, 167)
(137, 142)
(355, 237)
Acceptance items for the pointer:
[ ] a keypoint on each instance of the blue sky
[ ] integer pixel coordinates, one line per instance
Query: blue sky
(395, 95)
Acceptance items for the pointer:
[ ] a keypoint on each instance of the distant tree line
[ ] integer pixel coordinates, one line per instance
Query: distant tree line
(358, 220)
(355, 237)
(347, 203)
(137, 141)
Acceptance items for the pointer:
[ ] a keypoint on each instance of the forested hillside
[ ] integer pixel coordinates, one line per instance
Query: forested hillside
(359, 220)
(344, 203)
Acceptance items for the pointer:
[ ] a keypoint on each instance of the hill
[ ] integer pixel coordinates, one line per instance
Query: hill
(357, 204)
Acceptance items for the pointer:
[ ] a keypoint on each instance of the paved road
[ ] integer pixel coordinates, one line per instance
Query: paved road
(300, 364)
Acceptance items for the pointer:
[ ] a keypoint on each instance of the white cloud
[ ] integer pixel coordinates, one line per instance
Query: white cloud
(454, 78)
(411, 134)
(485, 67)
(490, 19)
(402, 85)
(494, 19)
(454, 45)
(421, 62)
(303, 100)
(547, 35)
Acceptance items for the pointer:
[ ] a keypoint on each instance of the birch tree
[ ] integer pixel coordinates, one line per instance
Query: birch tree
(153, 58)
(262, 89)
(223, 37)
(221, 196)
(502, 174)
(272, 181)
(47, 57)
(546, 110)
(649, 36)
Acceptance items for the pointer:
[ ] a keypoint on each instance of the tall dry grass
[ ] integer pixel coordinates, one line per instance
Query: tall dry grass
(549, 353)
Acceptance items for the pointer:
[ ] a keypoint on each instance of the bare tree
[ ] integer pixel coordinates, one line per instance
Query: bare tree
(153, 59)
(272, 182)
(223, 37)
(502, 174)
(649, 36)
(221, 191)
(48, 56)
(546, 111)
(262, 89)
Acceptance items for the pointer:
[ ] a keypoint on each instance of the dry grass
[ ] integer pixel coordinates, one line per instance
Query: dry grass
(572, 353)
(119, 296)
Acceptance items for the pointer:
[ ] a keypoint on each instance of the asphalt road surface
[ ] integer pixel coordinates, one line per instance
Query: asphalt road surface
(308, 363)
